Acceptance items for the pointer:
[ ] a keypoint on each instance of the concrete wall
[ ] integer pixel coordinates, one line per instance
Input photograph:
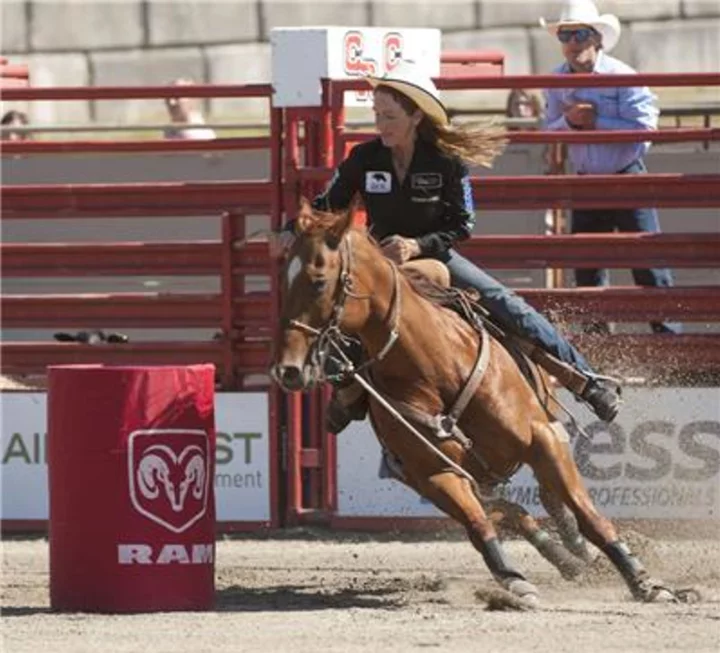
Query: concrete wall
(84, 42)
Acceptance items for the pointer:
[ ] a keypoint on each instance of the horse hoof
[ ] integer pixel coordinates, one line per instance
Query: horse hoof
(530, 602)
(688, 595)
(655, 591)
(661, 595)
(525, 591)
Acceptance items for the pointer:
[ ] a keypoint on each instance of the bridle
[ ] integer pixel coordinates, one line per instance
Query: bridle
(330, 339)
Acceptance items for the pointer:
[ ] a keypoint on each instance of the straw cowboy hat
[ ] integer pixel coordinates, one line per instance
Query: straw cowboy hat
(577, 13)
(408, 79)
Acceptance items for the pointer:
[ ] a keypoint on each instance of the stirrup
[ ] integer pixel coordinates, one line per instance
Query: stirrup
(594, 377)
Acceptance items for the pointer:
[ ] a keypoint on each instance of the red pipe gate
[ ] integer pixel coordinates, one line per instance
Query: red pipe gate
(305, 144)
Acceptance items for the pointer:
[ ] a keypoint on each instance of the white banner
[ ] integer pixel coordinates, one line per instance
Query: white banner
(242, 474)
(242, 471)
(660, 459)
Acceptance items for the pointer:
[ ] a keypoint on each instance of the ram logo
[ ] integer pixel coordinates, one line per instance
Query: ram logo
(169, 474)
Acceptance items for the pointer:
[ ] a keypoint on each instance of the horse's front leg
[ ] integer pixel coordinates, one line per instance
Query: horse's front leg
(454, 495)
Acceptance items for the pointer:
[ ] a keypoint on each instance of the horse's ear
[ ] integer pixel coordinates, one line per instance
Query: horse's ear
(305, 205)
(343, 223)
(305, 216)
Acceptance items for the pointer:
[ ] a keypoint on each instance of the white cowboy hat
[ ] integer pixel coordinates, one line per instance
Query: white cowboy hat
(576, 13)
(408, 79)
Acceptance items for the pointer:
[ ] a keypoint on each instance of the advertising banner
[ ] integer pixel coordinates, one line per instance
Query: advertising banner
(659, 460)
(302, 56)
(242, 471)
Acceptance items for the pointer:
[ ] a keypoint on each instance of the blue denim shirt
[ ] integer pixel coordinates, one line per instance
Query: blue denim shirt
(617, 108)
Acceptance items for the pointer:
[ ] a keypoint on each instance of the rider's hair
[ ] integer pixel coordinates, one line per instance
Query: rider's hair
(473, 143)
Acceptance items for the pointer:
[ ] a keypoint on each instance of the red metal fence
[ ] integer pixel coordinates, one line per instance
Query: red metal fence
(313, 454)
(247, 320)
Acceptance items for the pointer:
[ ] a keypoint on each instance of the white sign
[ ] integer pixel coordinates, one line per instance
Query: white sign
(23, 443)
(659, 459)
(242, 473)
(242, 458)
(302, 56)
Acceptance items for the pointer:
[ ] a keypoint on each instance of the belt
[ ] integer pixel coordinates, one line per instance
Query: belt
(636, 166)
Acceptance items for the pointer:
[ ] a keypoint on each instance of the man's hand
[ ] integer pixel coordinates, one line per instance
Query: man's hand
(581, 115)
(399, 249)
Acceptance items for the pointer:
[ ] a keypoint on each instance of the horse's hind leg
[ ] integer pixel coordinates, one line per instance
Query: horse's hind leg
(515, 518)
(454, 495)
(555, 470)
(567, 526)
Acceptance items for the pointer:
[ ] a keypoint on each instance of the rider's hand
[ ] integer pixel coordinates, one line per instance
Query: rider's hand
(399, 249)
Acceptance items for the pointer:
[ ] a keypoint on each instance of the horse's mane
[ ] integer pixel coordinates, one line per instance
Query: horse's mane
(319, 221)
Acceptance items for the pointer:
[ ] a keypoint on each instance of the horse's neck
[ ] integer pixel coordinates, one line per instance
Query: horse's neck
(427, 335)
(378, 283)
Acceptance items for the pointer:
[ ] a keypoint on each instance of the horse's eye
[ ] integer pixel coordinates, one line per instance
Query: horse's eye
(319, 285)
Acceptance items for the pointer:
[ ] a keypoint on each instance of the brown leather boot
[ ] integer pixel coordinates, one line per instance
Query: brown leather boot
(605, 401)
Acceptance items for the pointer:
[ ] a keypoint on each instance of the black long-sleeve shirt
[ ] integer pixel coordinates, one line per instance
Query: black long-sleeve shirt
(433, 204)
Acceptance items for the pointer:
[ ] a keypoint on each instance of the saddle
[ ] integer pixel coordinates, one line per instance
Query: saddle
(433, 277)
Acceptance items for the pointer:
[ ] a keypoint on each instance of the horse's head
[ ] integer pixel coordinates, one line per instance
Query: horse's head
(316, 282)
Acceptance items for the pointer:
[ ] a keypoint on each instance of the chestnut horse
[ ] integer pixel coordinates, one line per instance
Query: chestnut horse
(452, 407)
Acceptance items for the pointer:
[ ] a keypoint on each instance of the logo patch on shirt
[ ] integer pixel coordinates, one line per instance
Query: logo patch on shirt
(426, 180)
(378, 181)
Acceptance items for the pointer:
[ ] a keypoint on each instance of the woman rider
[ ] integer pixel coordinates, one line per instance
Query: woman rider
(415, 185)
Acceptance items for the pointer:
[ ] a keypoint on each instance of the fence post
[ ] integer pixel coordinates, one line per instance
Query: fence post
(228, 287)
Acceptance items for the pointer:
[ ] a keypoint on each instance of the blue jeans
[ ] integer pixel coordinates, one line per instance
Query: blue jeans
(511, 312)
(623, 220)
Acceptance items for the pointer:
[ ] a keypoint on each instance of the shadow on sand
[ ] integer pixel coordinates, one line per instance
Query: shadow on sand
(301, 597)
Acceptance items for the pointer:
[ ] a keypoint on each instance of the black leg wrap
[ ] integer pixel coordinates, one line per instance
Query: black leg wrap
(555, 553)
(497, 562)
(627, 564)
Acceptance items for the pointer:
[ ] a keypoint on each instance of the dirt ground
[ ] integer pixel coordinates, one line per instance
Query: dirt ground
(348, 593)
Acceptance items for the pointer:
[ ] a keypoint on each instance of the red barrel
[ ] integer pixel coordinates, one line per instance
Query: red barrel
(131, 460)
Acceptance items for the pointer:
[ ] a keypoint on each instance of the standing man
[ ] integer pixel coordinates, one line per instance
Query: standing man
(586, 37)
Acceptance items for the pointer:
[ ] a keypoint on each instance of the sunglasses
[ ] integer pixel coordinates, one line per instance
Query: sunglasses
(580, 35)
